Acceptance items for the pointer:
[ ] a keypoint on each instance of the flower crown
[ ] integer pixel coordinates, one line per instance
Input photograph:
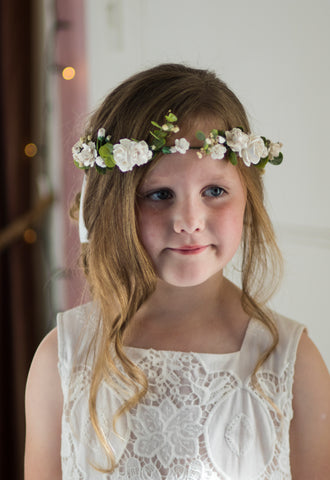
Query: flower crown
(129, 153)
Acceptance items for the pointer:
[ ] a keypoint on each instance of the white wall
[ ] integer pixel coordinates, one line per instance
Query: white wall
(275, 56)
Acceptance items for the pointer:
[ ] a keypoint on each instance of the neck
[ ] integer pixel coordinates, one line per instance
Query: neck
(190, 318)
(187, 301)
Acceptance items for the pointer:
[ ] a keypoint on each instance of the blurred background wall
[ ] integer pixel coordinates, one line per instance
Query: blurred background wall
(274, 55)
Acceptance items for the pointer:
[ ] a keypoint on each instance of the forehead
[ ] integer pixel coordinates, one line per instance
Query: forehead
(188, 167)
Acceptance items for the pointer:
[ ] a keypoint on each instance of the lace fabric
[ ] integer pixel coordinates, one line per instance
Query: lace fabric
(201, 419)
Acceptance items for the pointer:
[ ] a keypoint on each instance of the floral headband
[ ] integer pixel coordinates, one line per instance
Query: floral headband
(129, 153)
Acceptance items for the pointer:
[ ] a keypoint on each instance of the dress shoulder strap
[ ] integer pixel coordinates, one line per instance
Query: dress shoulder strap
(75, 330)
(285, 353)
(258, 340)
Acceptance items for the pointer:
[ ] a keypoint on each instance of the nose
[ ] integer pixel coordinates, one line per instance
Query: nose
(188, 217)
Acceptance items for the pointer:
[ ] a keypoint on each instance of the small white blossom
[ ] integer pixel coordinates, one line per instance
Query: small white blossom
(218, 151)
(165, 127)
(237, 140)
(101, 133)
(181, 146)
(208, 141)
(175, 129)
(274, 150)
(100, 162)
(220, 139)
(84, 153)
(76, 149)
(254, 151)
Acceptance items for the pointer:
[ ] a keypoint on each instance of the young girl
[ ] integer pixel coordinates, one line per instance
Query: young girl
(173, 372)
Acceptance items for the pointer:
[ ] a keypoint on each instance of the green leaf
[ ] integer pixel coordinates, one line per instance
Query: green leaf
(154, 134)
(158, 143)
(158, 134)
(170, 117)
(233, 157)
(82, 167)
(166, 150)
(100, 169)
(105, 153)
(277, 160)
(200, 136)
(263, 162)
(266, 141)
(155, 124)
(215, 133)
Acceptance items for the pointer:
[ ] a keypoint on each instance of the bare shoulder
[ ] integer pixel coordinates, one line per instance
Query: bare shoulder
(310, 426)
(43, 406)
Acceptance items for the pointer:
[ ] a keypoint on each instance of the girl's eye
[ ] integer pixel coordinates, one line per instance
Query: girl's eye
(214, 191)
(159, 195)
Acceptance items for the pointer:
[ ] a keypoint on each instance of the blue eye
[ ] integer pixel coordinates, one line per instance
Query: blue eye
(214, 191)
(159, 195)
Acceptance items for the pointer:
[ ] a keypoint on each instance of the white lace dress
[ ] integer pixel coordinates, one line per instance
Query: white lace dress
(200, 420)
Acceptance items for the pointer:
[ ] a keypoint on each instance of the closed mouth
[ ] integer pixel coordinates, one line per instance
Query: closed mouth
(190, 249)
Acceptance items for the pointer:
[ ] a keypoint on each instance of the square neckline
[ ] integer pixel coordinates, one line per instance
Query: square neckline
(146, 351)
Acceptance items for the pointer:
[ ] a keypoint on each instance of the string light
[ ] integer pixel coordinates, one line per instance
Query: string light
(68, 73)
(30, 150)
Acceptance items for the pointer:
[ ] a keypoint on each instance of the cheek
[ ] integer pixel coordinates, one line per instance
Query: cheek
(151, 226)
(229, 223)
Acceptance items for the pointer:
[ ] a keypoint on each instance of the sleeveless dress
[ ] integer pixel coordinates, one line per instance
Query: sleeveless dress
(201, 419)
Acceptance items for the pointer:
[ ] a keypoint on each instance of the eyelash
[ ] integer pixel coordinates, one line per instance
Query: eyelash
(170, 195)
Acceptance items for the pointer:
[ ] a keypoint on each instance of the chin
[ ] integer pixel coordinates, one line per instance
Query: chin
(185, 281)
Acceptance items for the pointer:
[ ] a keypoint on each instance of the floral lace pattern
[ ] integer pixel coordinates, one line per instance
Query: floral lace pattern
(200, 420)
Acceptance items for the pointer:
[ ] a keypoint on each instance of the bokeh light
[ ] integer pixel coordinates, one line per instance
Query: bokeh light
(30, 149)
(30, 235)
(68, 73)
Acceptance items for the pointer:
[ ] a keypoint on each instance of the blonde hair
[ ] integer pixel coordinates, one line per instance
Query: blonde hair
(118, 268)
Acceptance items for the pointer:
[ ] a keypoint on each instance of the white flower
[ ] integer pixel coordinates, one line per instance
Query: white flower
(237, 140)
(175, 129)
(218, 151)
(101, 133)
(77, 147)
(181, 146)
(121, 155)
(220, 139)
(274, 150)
(165, 127)
(128, 153)
(84, 153)
(254, 151)
(100, 162)
(143, 153)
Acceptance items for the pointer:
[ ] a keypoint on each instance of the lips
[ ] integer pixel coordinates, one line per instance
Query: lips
(190, 249)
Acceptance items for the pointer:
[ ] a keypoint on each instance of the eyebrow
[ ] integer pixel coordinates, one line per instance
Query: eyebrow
(212, 178)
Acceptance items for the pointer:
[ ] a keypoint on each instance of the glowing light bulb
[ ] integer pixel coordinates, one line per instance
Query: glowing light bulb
(30, 149)
(68, 73)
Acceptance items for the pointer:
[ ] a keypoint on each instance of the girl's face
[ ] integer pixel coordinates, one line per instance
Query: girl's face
(190, 216)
